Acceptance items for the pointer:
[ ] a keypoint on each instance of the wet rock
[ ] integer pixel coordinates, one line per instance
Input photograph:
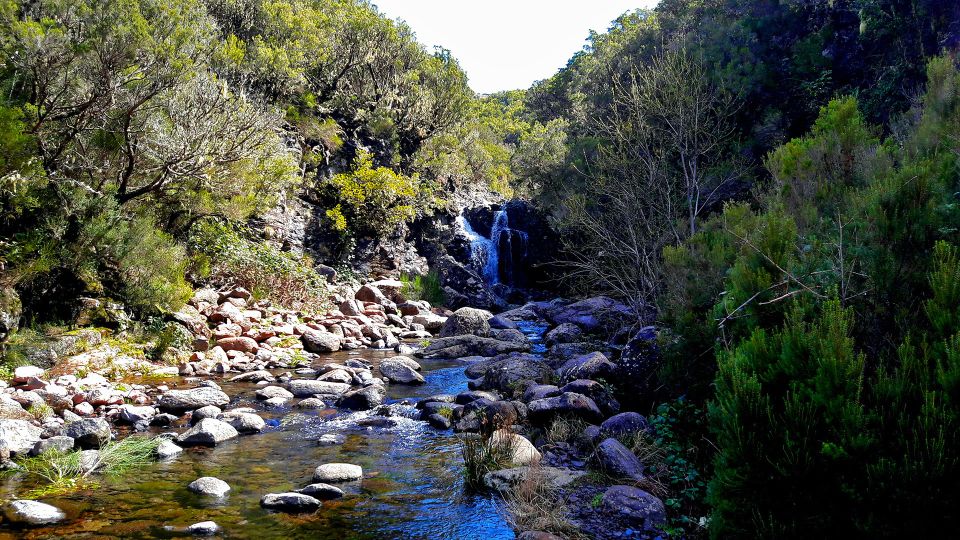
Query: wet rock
(400, 370)
(363, 399)
(308, 387)
(18, 436)
(163, 419)
(289, 502)
(542, 411)
(32, 513)
(167, 449)
(439, 421)
(204, 528)
(324, 492)
(244, 422)
(618, 461)
(180, 401)
(337, 472)
(469, 345)
(500, 323)
(208, 432)
(60, 443)
(89, 433)
(331, 439)
(624, 424)
(312, 403)
(466, 397)
(641, 509)
(465, 321)
(271, 392)
(209, 486)
(316, 341)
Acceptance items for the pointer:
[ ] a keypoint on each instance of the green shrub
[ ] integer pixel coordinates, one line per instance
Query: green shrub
(282, 277)
(425, 287)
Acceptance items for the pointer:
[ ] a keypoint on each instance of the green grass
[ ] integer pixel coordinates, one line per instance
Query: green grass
(426, 287)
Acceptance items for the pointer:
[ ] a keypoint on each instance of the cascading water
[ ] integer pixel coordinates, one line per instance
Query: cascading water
(485, 252)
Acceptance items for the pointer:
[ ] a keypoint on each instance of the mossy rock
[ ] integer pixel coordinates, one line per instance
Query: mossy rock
(10, 311)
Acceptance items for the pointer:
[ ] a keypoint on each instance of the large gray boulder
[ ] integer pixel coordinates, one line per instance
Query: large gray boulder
(18, 436)
(209, 486)
(463, 346)
(180, 401)
(310, 387)
(32, 513)
(507, 373)
(467, 321)
(564, 333)
(208, 432)
(401, 370)
(542, 411)
(618, 461)
(589, 366)
(592, 314)
(640, 509)
(244, 422)
(626, 423)
(317, 341)
(363, 399)
(88, 433)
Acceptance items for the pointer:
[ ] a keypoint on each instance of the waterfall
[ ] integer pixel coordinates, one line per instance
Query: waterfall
(485, 253)
(482, 250)
(500, 224)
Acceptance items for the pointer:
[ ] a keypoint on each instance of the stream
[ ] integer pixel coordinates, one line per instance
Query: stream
(412, 486)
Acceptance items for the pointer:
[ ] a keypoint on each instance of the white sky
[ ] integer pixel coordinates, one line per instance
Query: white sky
(508, 44)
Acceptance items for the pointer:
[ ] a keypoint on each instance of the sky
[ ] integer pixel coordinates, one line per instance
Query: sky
(508, 44)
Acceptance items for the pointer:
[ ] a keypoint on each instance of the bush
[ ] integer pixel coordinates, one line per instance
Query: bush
(229, 257)
(425, 287)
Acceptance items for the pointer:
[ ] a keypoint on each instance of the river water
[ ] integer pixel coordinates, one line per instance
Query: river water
(412, 486)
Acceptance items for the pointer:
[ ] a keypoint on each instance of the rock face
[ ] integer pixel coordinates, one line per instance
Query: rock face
(337, 472)
(639, 508)
(32, 513)
(462, 346)
(19, 436)
(618, 461)
(467, 321)
(180, 401)
(208, 432)
(89, 433)
(320, 342)
(400, 370)
(289, 502)
(209, 486)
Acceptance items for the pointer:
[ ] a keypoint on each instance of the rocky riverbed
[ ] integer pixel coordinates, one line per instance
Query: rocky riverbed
(280, 425)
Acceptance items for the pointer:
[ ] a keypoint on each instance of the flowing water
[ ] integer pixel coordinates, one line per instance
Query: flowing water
(412, 486)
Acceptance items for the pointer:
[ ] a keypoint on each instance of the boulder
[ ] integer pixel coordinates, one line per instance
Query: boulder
(589, 366)
(180, 401)
(244, 422)
(626, 423)
(370, 293)
(209, 486)
(540, 391)
(640, 509)
(323, 492)
(337, 473)
(507, 373)
(618, 461)
(18, 436)
(469, 345)
(204, 528)
(270, 392)
(88, 433)
(289, 502)
(400, 370)
(27, 512)
(640, 362)
(522, 450)
(599, 393)
(23, 374)
(254, 376)
(555, 477)
(167, 449)
(542, 411)
(565, 333)
(208, 432)
(363, 399)
(317, 341)
(132, 414)
(467, 321)
(310, 387)
(60, 443)
(311, 403)
(204, 412)
(592, 314)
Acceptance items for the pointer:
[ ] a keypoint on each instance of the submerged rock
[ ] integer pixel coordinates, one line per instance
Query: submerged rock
(322, 491)
(290, 502)
(337, 472)
(32, 513)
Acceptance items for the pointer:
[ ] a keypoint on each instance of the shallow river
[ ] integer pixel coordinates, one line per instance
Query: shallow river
(412, 488)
